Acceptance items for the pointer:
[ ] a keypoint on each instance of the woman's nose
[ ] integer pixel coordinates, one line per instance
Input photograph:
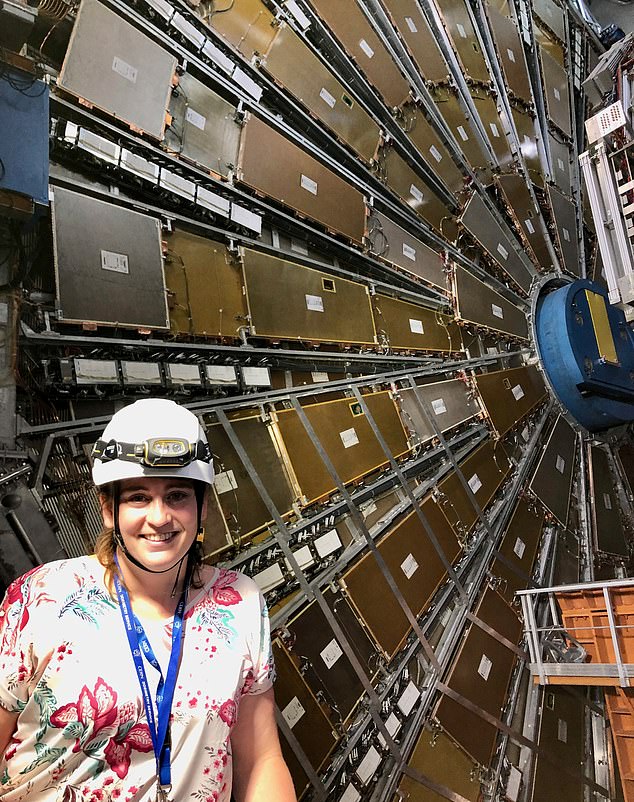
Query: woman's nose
(157, 512)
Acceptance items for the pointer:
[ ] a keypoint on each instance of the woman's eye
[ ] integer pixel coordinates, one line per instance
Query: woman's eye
(137, 498)
(175, 498)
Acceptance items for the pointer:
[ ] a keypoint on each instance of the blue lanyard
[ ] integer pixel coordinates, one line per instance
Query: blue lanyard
(139, 644)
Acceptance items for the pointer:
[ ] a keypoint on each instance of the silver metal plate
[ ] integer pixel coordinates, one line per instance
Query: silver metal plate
(478, 304)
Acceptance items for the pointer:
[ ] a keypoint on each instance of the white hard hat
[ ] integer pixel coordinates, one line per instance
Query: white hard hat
(152, 437)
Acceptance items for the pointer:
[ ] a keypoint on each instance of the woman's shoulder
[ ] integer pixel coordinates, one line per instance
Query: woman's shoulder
(59, 577)
(228, 586)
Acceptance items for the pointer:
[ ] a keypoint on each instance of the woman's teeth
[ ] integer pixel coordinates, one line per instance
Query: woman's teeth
(159, 538)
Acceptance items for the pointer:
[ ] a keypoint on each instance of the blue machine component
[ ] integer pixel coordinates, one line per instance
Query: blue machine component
(587, 350)
(24, 135)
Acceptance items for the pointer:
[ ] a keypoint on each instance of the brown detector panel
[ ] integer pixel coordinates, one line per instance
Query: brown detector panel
(204, 287)
(511, 55)
(303, 714)
(607, 525)
(297, 68)
(449, 403)
(524, 122)
(556, 92)
(422, 44)
(248, 26)
(560, 161)
(552, 480)
(478, 304)
(527, 217)
(415, 566)
(240, 502)
(400, 324)
(461, 126)
(552, 16)
(457, 22)
(289, 301)
(484, 470)
(626, 458)
(565, 224)
(346, 436)
(509, 395)
(481, 673)
(492, 123)
(304, 184)
(351, 27)
(437, 757)
(517, 552)
(562, 747)
(397, 246)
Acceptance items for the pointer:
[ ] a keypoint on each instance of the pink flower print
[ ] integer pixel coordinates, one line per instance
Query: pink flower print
(119, 749)
(222, 591)
(228, 712)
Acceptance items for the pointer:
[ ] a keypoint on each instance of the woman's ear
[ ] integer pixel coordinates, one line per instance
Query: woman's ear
(105, 502)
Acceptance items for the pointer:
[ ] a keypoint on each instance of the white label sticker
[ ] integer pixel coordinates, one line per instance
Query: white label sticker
(319, 376)
(556, 93)
(411, 24)
(349, 437)
(438, 405)
(327, 98)
(502, 251)
(315, 303)
(463, 133)
(124, 69)
(560, 463)
(225, 482)
(484, 669)
(293, 712)
(409, 252)
(607, 501)
(416, 193)
(196, 119)
(408, 699)
(392, 725)
(117, 262)
(366, 48)
(350, 795)
(510, 54)
(497, 311)
(494, 130)
(331, 653)
(474, 483)
(328, 543)
(308, 184)
(525, 434)
(566, 234)
(368, 765)
(436, 153)
(529, 226)
(409, 566)
(519, 548)
(416, 326)
(561, 165)
(528, 142)
(492, 350)
(517, 392)
(562, 730)
(461, 30)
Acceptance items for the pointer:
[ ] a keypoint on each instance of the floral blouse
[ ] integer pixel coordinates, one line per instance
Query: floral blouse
(66, 667)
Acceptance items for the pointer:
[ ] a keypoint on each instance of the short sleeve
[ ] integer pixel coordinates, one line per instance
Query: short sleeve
(18, 664)
(260, 673)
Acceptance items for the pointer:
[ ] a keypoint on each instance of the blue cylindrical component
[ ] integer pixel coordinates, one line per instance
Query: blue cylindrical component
(570, 322)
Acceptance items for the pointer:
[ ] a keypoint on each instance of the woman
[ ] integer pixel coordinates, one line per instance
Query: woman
(139, 673)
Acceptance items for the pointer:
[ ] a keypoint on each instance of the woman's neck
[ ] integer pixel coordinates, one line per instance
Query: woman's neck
(152, 595)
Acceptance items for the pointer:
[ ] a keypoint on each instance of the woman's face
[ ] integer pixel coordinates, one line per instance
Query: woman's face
(157, 519)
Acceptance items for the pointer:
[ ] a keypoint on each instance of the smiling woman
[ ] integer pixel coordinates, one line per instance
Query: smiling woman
(139, 673)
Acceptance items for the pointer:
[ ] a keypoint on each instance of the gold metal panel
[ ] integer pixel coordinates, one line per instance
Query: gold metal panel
(548, 43)
(479, 304)
(457, 22)
(519, 547)
(350, 26)
(522, 208)
(448, 105)
(416, 568)
(410, 22)
(607, 525)
(217, 535)
(527, 136)
(560, 160)
(297, 68)
(565, 223)
(511, 54)
(400, 248)
(487, 110)
(497, 240)
(304, 184)
(290, 301)
(247, 25)
(556, 92)
(552, 480)
(400, 324)
(450, 403)
(204, 287)
(346, 437)
(601, 325)
(412, 189)
(485, 470)
(552, 16)
(509, 395)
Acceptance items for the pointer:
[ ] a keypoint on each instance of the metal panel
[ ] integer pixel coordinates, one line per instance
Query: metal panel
(289, 301)
(565, 222)
(556, 92)
(108, 263)
(497, 240)
(450, 402)
(552, 480)
(291, 63)
(398, 247)
(562, 739)
(204, 287)
(560, 160)
(604, 502)
(416, 568)
(355, 33)
(485, 470)
(460, 125)
(248, 26)
(548, 44)
(524, 211)
(626, 459)
(403, 325)
(410, 22)
(566, 559)
(457, 22)
(117, 68)
(525, 129)
(204, 128)
(492, 123)
(509, 395)
(217, 535)
(519, 548)
(347, 437)
(479, 304)
(552, 16)
(304, 184)
(511, 55)
(436, 756)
